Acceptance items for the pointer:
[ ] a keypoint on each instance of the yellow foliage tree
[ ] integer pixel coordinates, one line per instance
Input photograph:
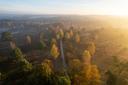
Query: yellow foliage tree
(60, 34)
(95, 75)
(45, 68)
(71, 33)
(67, 35)
(91, 75)
(91, 48)
(77, 38)
(86, 57)
(75, 64)
(54, 51)
(53, 41)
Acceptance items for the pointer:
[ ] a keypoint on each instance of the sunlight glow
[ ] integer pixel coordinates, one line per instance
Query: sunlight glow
(76, 7)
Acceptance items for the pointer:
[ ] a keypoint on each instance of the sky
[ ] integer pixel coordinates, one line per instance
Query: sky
(73, 7)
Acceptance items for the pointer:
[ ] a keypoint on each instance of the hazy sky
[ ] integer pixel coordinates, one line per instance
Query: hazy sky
(82, 7)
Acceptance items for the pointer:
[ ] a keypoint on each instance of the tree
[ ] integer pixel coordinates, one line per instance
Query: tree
(7, 36)
(91, 48)
(20, 60)
(111, 78)
(25, 65)
(86, 57)
(53, 41)
(45, 69)
(75, 66)
(91, 75)
(17, 54)
(42, 44)
(67, 35)
(63, 80)
(28, 39)
(71, 33)
(54, 51)
(77, 38)
(42, 74)
(95, 76)
(60, 34)
(117, 73)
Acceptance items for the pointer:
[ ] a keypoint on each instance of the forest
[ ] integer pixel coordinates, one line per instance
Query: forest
(62, 54)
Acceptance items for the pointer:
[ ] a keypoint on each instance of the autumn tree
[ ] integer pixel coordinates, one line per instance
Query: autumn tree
(67, 35)
(77, 38)
(60, 34)
(86, 57)
(53, 41)
(91, 48)
(46, 69)
(54, 51)
(90, 75)
(71, 33)
(75, 66)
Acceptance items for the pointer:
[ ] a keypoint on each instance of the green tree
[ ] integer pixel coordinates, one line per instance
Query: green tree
(7, 36)
(20, 60)
(17, 54)
(111, 78)
(63, 80)
(117, 73)
(42, 74)
(42, 43)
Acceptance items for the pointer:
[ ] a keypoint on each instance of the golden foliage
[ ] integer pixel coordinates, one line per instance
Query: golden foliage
(75, 64)
(53, 41)
(86, 57)
(54, 51)
(91, 48)
(77, 38)
(60, 34)
(46, 69)
(91, 75)
(67, 35)
(71, 33)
